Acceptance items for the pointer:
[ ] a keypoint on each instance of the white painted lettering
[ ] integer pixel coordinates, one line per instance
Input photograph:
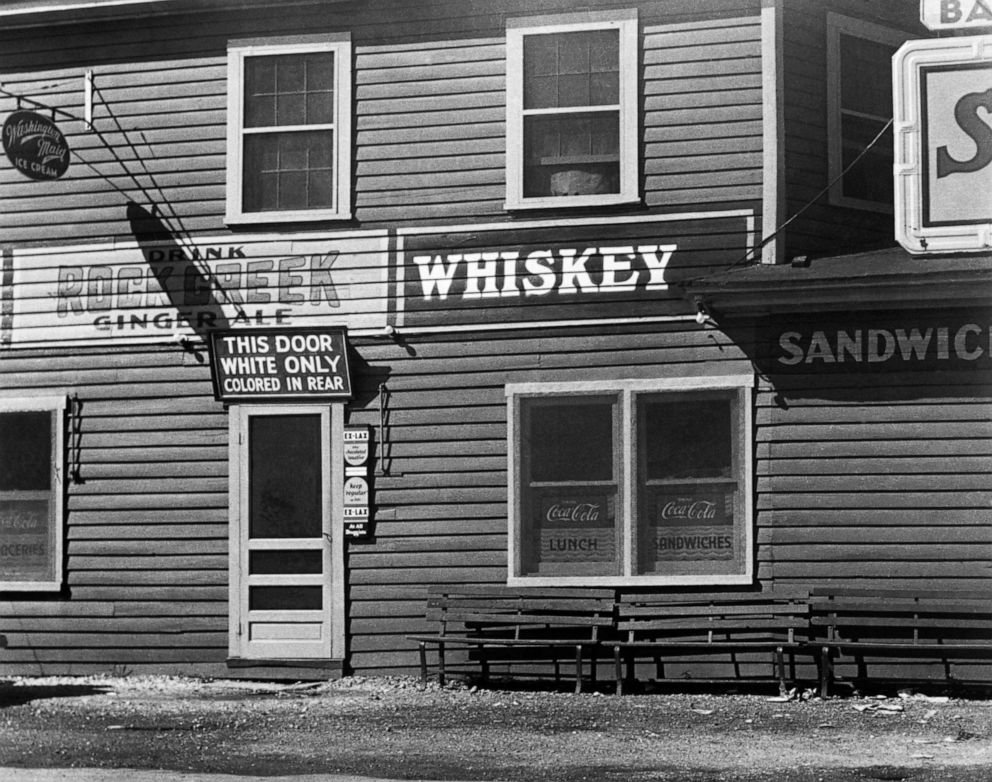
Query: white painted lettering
(434, 275)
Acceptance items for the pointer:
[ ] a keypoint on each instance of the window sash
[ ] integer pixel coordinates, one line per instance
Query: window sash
(631, 522)
(842, 108)
(333, 200)
(597, 182)
(51, 539)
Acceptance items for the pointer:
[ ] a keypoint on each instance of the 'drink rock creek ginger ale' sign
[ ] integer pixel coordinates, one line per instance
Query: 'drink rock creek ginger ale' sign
(280, 364)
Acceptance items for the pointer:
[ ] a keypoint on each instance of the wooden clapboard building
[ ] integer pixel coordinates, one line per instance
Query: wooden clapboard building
(496, 293)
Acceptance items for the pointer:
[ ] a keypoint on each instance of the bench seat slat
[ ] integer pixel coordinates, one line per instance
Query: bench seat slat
(703, 611)
(952, 622)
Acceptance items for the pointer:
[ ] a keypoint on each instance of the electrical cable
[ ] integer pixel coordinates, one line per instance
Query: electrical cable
(749, 255)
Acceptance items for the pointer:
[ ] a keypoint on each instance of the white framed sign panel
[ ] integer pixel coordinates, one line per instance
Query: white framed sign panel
(943, 145)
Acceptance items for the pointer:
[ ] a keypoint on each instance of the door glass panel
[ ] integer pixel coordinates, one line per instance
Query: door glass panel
(263, 563)
(285, 476)
(288, 598)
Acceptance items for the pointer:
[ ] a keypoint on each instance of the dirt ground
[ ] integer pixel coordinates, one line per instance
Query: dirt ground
(395, 728)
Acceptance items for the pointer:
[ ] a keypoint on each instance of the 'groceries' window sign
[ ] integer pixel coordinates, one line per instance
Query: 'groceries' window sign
(280, 364)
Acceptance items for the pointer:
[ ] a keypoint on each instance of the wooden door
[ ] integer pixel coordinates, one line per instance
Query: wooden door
(286, 554)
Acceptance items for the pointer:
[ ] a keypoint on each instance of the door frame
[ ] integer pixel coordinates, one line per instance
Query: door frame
(332, 458)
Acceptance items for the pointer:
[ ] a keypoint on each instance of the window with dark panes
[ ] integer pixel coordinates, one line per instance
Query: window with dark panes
(30, 495)
(687, 483)
(290, 118)
(859, 109)
(866, 107)
(289, 132)
(570, 486)
(630, 484)
(572, 113)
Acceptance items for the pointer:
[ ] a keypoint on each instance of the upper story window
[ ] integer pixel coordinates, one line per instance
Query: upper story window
(572, 111)
(31, 493)
(631, 482)
(859, 68)
(289, 130)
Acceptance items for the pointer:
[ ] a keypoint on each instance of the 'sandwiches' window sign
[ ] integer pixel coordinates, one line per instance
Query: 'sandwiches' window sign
(151, 290)
(877, 342)
(694, 525)
(268, 365)
(525, 272)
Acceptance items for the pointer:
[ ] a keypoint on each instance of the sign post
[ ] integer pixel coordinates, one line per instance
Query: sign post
(943, 145)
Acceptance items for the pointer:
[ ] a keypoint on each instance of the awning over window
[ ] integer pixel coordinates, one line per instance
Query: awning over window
(882, 279)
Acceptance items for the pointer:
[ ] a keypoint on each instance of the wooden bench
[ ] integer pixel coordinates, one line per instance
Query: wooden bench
(899, 623)
(488, 618)
(658, 626)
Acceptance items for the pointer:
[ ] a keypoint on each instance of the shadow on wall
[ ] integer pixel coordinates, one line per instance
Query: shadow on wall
(185, 285)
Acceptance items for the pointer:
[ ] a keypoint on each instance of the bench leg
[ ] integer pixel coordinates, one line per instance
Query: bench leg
(440, 663)
(825, 672)
(484, 665)
(555, 657)
(423, 663)
(780, 666)
(578, 668)
(618, 668)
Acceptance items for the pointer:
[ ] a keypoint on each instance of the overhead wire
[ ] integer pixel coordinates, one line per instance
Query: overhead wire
(751, 253)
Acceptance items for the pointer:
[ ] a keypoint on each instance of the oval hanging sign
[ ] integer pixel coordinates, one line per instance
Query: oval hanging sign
(35, 145)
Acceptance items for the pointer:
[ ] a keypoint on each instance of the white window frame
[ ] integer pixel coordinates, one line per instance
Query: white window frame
(55, 405)
(237, 52)
(838, 25)
(627, 391)
(516, 30)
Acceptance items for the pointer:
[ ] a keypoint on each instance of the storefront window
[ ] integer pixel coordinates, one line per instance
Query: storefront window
(30, 494)
(645, 482)
(687, 483)
(570, 487)
(289, 131)
(572, 124)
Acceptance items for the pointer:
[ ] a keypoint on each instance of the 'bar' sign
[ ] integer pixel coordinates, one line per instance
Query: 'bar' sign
(269, 365)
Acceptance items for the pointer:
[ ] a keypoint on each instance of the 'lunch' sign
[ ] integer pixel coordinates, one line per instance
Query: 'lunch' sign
(268, 365)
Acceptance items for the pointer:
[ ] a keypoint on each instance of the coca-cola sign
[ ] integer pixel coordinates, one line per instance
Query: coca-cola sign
(694, 509)
(35, 145)
(575, 529)
(585, 511)
(573, 512)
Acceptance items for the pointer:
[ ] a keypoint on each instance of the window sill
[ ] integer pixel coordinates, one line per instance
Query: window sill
(624, 581)
(863, 204)
(570, 202)
(262, 218)
(30, 586)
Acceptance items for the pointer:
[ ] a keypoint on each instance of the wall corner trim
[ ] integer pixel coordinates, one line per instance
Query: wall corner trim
(773, 130)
